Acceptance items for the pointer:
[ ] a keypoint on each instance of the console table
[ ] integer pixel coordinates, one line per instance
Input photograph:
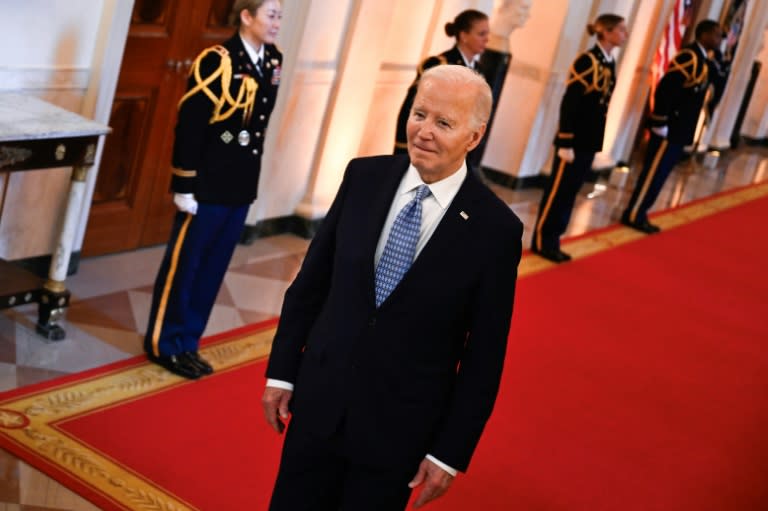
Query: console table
(35, 134)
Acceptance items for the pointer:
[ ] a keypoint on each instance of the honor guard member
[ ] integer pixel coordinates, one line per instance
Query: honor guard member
(220, 131)
(472, 31)
(678, 102)
(583, 111)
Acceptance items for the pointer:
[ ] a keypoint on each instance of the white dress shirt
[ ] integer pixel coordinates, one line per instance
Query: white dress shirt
(470, 63)
(608, 55)
(253, 53)
(433, 208)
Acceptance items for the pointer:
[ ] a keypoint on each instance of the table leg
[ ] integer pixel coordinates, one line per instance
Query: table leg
(55, 296)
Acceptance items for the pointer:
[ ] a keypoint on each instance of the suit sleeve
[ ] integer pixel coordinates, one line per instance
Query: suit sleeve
(195, 111)
(670, 88)
(306, 296)
(580, 78)
(479, 373)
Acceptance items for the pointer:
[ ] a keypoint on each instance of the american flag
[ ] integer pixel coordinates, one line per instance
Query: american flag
(671, 41)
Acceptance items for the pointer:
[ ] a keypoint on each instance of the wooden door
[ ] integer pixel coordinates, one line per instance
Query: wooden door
(132, 206)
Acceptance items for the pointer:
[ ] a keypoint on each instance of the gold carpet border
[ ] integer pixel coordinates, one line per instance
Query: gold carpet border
(30, 420)
(610, 238)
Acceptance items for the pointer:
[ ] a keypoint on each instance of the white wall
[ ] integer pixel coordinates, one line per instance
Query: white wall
(67, 52)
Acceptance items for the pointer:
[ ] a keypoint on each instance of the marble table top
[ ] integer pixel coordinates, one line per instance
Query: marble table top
(25, 117)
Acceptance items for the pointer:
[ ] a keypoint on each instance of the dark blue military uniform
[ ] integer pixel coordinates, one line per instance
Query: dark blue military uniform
(452, 56)
(678, 101)
(583, 111)
(217, 151)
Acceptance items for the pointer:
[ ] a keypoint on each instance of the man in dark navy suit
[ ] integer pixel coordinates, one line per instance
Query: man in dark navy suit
(389, 366)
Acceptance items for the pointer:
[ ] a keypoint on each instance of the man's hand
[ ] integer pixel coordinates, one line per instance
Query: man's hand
(436, 482)
(661, 131)
(185, 202)
(275, 402)
(567, 154)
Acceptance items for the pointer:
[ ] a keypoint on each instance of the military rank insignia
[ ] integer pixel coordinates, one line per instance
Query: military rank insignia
(276, 73)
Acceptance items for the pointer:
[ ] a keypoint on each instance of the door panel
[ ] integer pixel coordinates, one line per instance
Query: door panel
(132, 205)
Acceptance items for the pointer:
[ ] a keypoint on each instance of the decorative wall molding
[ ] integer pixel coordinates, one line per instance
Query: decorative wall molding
(44, 78)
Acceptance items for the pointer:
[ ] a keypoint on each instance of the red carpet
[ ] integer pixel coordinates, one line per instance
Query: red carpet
(636, 379)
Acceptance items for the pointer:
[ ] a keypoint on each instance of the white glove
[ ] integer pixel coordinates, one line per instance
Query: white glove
(185, 202)
(661, 131)
(567, 154)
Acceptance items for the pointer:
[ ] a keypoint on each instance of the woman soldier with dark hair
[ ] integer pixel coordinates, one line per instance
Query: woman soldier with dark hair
(471, 30)
(583, 110)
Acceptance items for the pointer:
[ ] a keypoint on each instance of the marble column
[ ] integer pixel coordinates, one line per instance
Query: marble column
(756, 121)
(352, 93)
(756, 20)
(625, 114)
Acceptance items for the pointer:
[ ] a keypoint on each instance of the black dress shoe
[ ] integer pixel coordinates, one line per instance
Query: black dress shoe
(553, 254)
(194, 358)
(177, 364)
(642, 226)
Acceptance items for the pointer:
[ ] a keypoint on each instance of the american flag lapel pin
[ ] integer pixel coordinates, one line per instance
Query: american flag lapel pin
(464, 215)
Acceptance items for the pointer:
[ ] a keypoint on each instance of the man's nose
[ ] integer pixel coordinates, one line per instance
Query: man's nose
(425, 131)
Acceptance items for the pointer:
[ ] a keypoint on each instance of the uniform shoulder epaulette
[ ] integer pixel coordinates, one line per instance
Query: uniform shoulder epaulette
(686, 63)
(435, 60)
(246, 96)
(584, 71)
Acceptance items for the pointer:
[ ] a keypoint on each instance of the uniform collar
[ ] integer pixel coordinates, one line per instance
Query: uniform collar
(470, 63)
(608, 56)
(253, 53)
(701, 49)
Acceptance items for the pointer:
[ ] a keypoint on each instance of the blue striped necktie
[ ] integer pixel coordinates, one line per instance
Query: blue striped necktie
(401, 246)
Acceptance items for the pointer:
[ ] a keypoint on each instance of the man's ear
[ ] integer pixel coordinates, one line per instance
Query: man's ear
(477, 136)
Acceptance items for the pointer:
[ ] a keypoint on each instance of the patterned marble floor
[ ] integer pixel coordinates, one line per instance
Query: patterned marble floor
(111, 296)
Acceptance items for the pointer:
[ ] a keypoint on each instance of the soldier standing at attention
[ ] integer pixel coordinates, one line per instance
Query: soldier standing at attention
(472, 32)
(220, 131)
(677, 104)
(582, 124)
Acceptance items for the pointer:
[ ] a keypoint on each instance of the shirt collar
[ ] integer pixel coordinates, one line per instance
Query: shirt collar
(443, 191)
(608, 56)
(253, 53)
(701, 48)
(470, 63)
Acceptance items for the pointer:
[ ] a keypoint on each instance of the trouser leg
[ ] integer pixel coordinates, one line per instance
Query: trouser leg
(226, 229)
(661, 156)
(559, 196)
(319, 474)
(171, 290)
